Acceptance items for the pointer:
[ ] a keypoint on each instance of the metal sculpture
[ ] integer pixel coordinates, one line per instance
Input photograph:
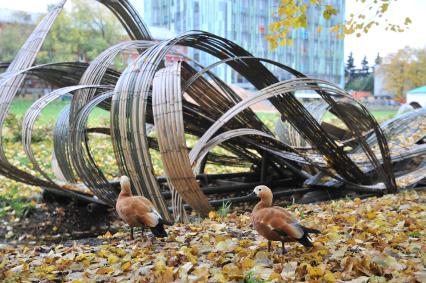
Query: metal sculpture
(187, 98)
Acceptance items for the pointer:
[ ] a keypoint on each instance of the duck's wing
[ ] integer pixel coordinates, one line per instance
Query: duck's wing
(144, 202)
(285, 211)
(149, 219)
(280, 222)
(146, 212)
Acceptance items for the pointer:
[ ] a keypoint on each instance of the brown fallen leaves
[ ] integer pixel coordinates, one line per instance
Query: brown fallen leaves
(374, 240)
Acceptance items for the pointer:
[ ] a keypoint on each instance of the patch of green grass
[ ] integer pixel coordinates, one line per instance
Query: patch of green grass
(415, 234)
(48, 116)
(266, 116)
(19, 205)
(250, 278)
(50, 113)
(380, 116)
(225, 209)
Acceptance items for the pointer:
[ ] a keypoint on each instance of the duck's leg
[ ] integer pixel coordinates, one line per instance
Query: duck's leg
(269, 246)
(284, 251)
(131, 233)
(142, 231)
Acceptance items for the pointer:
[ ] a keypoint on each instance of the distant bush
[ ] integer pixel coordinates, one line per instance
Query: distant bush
(14, 124)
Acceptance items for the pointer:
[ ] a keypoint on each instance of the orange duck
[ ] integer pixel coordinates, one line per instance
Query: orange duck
(138, 211)
(277, 224)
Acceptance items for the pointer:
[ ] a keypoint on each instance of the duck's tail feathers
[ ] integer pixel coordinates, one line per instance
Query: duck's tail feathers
(306, 240)
(158, 230)
(310, 230)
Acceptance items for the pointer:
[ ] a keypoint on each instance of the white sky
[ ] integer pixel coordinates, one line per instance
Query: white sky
(377, 40)
(385, 42)
(26, 5)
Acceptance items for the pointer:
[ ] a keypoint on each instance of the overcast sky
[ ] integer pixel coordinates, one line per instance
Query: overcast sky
(377, 40)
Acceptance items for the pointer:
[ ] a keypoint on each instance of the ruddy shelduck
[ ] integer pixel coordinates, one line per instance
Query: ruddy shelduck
(277, 224)
(138, 211)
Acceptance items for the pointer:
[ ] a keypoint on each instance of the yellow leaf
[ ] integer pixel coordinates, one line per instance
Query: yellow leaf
(160, 266)
(119, 251)
(384, 7)
(219, 277)
(211, 256)
(273, 27)
(232, 271)
(340, 35)
(407, 21)
(352, 219)
(49, 269)
(103, 253)
(335, 28)
(247, 263)
(274, 276)
(303, 21)
(112, 259)
(283, 42)
(329, 277)
(126, 266)
(212, 214)
(333, 228)
(220, 238)
(244, 242)
(315, 271)
(319, 29)
(104, 270)
(371, 215)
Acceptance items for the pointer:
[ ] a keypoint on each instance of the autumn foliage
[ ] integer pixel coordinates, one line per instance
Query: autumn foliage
(376, 239)
(293, 14)
(404, 70)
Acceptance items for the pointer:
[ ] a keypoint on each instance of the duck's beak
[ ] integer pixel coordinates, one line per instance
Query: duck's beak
(252, 194)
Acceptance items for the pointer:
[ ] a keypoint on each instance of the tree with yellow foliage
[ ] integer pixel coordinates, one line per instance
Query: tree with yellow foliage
(292, 14)
(404, 70)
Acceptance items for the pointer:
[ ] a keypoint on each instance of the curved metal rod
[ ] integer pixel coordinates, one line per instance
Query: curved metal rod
(83, 162)
(274, 90)
(34, 111)
(96, 70)
(134, 149)
(61, 148)
(168, 119)
(217, 140)
(195, 77)
(10, 83)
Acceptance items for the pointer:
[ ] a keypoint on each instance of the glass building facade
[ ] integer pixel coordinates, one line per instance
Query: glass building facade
(319, 55)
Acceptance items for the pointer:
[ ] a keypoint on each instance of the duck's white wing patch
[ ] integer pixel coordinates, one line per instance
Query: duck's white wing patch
(153, 219)
(158, 215)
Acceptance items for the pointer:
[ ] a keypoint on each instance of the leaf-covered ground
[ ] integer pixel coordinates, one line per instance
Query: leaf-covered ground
(374, 240)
